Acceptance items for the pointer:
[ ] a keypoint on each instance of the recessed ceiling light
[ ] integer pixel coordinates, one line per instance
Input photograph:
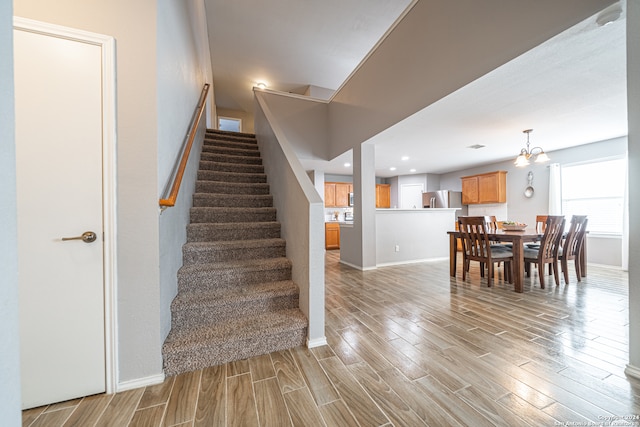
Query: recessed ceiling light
(392, 168)
(404, 158)
(346, 165)
(412, 170)
(476, 146)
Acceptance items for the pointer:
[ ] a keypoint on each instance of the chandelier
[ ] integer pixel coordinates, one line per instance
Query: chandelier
(537, 153)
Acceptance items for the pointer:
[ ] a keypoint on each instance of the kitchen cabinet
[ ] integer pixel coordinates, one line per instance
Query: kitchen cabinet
(383, 195)
(342, 193)
(336, 194)
(484, 188)
(329, 195)
(331, 235)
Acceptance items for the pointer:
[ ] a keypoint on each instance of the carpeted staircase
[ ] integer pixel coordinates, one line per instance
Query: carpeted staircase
(235, 296)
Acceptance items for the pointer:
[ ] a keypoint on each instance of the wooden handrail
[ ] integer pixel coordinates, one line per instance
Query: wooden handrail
(177, 179)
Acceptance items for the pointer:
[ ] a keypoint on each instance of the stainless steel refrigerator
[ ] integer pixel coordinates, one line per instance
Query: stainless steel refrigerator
(444, 199)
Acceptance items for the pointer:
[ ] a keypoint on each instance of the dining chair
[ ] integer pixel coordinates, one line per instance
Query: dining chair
(548, 251)
(476, 246)
(572, 245)
(541, 223)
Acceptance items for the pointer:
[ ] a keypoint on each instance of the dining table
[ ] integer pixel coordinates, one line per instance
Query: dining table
(517, 239)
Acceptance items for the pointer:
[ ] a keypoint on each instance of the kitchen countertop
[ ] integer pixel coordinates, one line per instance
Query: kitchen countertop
(338, 222)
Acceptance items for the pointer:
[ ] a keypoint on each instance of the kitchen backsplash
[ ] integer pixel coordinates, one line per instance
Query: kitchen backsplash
(498, 209)
(329, 213)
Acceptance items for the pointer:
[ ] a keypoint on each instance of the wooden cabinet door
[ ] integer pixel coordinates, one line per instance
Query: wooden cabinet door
(484, 188)
(342, 194)
(331, 236)
(470, 191)
(488, 188)
(329, 195)
(383, 195)
(493, 187)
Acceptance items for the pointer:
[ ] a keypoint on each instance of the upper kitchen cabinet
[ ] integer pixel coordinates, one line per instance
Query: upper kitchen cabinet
(330, 194)
(383, 195)
(342, 193)
(484, 188)
(336, 194)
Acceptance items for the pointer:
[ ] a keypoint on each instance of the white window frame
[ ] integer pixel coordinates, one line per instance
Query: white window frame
(233, 119)
(622, 201)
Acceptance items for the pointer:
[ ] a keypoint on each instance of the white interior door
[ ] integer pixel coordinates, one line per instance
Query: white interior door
(59, 177)
(411, 196)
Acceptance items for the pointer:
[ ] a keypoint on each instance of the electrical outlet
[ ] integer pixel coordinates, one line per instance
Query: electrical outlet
(397, 248)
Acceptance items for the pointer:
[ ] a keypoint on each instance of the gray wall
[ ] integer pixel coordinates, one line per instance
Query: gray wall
(304, 123)
(142, 156)
(437, 48)
(299, 206)
(181, 77)
(9, 332)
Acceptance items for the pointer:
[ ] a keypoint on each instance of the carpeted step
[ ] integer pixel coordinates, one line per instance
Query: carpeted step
(219, 176)
(232, 274)
(245, 145)
(232, 187)
(232, 200)
(190, 309)
(196, 348)
(216, 214)
(208, 252)
(230, 167)
(209, 232)
(235, 295)
(230, 133)
(229, 158)
(218, 149)
(213, 133)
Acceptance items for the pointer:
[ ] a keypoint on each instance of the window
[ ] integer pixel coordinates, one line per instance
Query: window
(230, 124)
(596, 190)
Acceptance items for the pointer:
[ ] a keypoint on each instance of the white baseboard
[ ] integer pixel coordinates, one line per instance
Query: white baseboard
(140, 382)
(316, 342)
(357, 267)
(632, 371)
(411, 261)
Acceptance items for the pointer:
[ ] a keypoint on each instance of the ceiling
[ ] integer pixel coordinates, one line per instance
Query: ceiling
(571, 90)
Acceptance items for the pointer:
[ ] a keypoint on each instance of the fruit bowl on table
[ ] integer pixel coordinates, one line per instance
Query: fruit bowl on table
(514, 227)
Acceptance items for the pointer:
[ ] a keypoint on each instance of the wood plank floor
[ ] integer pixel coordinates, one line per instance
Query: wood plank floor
(409, 346)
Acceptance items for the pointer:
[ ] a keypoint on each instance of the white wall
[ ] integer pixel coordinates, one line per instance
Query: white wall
(418, 234)
(181, 77)
(633, 99)
(133, 24)
(10, 403)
